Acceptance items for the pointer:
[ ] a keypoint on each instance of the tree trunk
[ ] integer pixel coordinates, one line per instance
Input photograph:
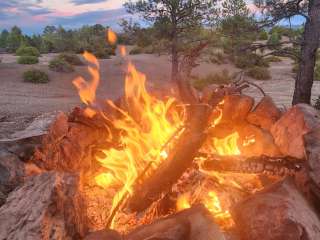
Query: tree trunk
(175, 60)
(309, 47)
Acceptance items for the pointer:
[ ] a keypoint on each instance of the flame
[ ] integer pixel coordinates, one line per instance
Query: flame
(227, 146)
(87, 90)
(111, 37)
(123, 50)
(183, 202)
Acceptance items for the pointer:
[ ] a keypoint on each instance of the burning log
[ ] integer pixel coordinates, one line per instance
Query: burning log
(194, 223)
(47, 206)
(254, 165)
(279, 212)
(180, 159)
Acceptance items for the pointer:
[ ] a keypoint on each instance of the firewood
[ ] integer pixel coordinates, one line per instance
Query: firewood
(289, 130)
(277, 212)
(195, 223)
(104, 235)
(265, 114)
(179, 159)
(47, 206)
(256, 165)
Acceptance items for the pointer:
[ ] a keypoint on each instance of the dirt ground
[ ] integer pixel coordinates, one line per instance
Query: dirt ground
(20, 101)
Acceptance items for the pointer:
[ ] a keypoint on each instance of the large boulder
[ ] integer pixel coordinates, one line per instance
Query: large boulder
(276, 213)
(47, 206)
(289, 130)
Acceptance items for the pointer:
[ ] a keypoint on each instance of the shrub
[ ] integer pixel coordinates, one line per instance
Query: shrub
(273, 59)
(217, 58)
(317, 72)
(259, 73)
(136, 50)
(274, 40)
(263, 35)
(216, 78)
(27, 51)
(28, 60)
(59, 65)
(71, 58)
(250, 60)
(102, 53)
(35, 76)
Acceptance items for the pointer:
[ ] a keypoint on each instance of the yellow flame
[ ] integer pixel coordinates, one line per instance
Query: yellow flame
(183, 202)
(112, 37)
(123, 50)
(227, 146)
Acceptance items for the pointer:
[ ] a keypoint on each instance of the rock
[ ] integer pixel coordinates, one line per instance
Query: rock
(265, 114)
(195, 224)
(12, 173)
(289, 130)
(69, 144)
(277, 213)
(104, 235)
(236, 108)
(46, 206)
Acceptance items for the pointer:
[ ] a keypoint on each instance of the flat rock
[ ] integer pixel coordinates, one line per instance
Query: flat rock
(194, 224)
(46, 206)
(277, 213)
(289, 130)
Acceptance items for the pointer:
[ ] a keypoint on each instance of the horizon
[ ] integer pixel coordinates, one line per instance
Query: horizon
(32, 16)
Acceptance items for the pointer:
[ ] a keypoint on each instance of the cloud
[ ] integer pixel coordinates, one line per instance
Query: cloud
(81, 2)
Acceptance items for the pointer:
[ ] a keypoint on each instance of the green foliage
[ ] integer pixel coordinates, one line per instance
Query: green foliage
(35, 76)
(250, 60)
(27, 51)
(274, 40)
(15, 39)
(28, 60)
(217, 78)
(71, 58)
(142, 50)
(217, 58)
(259, 73)
(136, 50)
(273, 59)
(59, 65)
(263, 35)
(4, 38)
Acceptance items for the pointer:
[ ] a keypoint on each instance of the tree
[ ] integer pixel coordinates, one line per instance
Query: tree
(14, 39)
(277, 10)
(177, 21)
(237, 26)
(4, 38)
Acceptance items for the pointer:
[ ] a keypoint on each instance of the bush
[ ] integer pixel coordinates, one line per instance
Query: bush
(59, 65)
(217, 58)
(259, 73)
(273, 59)
(27, 51)
(35, 76)
(250, 60)
(71, 58)
(216, 78)
(263, 35)
(28, 60)
(102, 53)
(136, 50)
(274, 40)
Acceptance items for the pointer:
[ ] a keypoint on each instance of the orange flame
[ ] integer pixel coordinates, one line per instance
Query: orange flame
(183, 202)
(111, 37)
(87, 90)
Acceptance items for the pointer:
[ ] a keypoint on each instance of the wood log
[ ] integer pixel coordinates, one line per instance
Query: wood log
(47, 206)
(276, 213)
(179, 159)
(265, 114)
(195, 223)
(254, 165)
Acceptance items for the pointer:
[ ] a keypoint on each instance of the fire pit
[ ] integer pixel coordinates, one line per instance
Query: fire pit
(210, 165)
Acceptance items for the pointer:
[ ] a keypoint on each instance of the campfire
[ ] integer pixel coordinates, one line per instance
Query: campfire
(209, 165)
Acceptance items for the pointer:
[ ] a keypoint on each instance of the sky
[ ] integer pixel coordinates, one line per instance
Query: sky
(33, 15)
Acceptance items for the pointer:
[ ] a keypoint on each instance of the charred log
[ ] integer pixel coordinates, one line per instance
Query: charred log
(254, 165)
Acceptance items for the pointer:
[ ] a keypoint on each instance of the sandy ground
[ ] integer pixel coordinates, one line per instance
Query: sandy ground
(20, 100)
